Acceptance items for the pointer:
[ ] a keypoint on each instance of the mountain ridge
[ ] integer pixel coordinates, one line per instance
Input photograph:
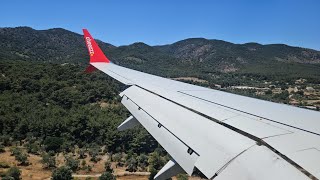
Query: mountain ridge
(192, 55)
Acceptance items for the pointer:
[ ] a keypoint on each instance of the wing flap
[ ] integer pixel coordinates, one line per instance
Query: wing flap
(301, 147)
(172, 168)
(261, 163)
(173, 145)
(129, 123)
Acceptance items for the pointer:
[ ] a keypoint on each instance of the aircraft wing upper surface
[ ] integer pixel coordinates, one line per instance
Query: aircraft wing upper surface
(225, 136)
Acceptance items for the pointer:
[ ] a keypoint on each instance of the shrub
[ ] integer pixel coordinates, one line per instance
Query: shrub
(153, 173)
(87, 168)
(4, 165)
(13, 173)
(15, 151)
(33, 148)
(53, 143)
(2, 150)
(132, 165)
(48, 160)
(22, 158)
(107, 176)
(107, 167)
(82, 154)
(83, 163)
(62, 173)
(182, 177)
(73, 164)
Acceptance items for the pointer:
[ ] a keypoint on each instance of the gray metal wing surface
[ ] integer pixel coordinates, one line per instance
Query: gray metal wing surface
(225, 136)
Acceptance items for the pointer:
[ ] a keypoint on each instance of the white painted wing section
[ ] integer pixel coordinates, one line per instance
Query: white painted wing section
(173, 145)
(260, 163)
(220, 152)
(297, 117)
(172, 168)
(279, 113)
(304, 149)
(272, 122)
(129, 123)
(300, 146)
(216, 145)
(256, 127)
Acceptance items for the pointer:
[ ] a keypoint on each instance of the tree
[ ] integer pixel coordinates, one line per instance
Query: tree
(268, 91)
(2, 150)
(62, 173)
(94, 155)
(132, 165)
(142, 161)
(15, 151)
(155, 161)
(153, 173)
(19, 156)
(82, 154)
(13, 173)
(33, 148)
(48, 160)
(83, 163)
(107, 167)
(22, 158)
(87, 168)
(116, 157)
(73, 164)
(182, 177)
(4, 165)
(107, 176)
(53, 143)
(6, 140)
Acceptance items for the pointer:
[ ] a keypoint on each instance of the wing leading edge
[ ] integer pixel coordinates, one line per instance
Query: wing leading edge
(225, 136)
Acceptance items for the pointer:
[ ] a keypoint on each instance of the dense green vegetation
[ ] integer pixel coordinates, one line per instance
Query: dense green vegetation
(189, 57)
(62, 173)
(51, 108)
(59, 106)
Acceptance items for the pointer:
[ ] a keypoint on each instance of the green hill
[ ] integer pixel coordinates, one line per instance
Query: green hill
(190, 57)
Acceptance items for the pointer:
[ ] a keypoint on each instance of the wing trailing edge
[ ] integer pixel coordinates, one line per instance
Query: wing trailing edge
(129, 123)
(172, 168)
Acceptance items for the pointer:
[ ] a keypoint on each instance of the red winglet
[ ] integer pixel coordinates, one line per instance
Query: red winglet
(96, 54)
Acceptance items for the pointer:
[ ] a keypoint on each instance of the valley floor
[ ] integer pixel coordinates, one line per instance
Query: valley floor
(36, 171)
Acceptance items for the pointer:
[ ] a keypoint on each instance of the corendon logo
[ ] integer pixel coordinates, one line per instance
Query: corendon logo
(91, 52)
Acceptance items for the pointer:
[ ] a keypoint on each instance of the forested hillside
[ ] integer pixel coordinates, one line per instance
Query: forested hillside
(49, 109)
(196, 56)
(52, 100)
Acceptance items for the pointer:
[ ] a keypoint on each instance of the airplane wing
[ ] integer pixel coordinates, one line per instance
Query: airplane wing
(225, 136)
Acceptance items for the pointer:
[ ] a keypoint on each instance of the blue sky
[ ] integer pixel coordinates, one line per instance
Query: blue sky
(154, 22)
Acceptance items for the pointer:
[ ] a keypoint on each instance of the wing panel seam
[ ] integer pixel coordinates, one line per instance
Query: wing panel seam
(162, 126)
(249, 113)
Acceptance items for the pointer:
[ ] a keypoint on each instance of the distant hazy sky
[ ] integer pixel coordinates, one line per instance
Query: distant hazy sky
(293, 22)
